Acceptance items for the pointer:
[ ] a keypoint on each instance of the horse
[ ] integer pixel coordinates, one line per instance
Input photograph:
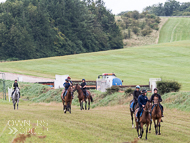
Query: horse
(156, 115)
(67, 100)
(144, 119)
(83, 98)
(133, 112)
(16, 97)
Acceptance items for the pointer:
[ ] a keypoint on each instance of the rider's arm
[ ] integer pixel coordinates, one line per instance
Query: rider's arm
(18, 86)
(160, 98)
(13, 86)
(139, 101)
(151, 98)
(84, 85)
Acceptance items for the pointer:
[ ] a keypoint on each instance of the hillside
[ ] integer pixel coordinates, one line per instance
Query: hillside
(133, 65)
(31, 29)
(175, 29)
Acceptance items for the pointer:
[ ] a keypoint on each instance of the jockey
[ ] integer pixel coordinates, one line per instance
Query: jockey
(71, 83)
(160, 99)
(83, 86)
(136, 94)
(142, 102)
(14, 86)
(66, 85)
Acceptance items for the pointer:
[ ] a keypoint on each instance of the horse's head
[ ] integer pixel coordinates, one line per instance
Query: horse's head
(17, 90)
(156, 100)
(148, 106)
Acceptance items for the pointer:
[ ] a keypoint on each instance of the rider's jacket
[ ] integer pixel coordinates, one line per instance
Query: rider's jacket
(15, 85)
(83, 84)
(66, 85)
(70, 82)
(156, 94)
(142, 100)
(136, 95)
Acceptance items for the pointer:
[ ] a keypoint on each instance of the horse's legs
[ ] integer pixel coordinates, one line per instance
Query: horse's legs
(155, 126)
(17, 105)
(137, 129)
(142, 131)
(132, 118)
(81, 105)
(14, 105)
(146, 130)
(150, 127)
(89, 104)
(159, 126)
(85, 105)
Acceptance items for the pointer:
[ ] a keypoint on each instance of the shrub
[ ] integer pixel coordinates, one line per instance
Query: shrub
(125, 35)
(128, 92)
(112, 90)
(142, 25)
(146, 32)
(168, 86)
(135, 30)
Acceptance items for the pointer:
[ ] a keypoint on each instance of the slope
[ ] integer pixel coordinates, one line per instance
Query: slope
(133, 65)
(175, 29)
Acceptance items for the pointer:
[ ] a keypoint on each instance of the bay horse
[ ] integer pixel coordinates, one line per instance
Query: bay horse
(144, 119)
(156, 115)
(133, 112)
(83, 98)
(67, 100)
(16, 97)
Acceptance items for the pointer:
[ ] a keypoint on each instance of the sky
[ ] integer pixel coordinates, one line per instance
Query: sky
(118, 6)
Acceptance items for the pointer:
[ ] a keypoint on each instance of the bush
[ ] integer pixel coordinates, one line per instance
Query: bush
(125, 35)
(168, 86)
(112, 90)
(146, 32)
(135, 30)
(128, 92)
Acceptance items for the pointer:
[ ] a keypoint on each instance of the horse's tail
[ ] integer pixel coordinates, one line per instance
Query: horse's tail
(91, 98)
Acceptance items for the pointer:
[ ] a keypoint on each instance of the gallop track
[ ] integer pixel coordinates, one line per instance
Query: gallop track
(105, 124)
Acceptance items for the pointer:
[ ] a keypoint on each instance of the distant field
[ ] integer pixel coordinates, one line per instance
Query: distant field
(133, 65)
(105, 124)
(175, 29)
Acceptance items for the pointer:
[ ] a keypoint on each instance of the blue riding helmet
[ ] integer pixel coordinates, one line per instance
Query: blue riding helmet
(144, 91)
(83, 79)
(66, 80)
(138, 86)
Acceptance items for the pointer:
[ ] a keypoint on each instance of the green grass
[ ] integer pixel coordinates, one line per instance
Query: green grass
(176, 29)
(133, 65)
(105, 124)
(179, 100)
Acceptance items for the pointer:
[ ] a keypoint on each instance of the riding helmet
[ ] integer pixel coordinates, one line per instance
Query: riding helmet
(66, 80)
(144, 91)
(155, 89)
(69, 77)
(138, 86)
(83, 79)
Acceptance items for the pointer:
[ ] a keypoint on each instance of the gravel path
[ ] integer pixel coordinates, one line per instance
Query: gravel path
(26, 78)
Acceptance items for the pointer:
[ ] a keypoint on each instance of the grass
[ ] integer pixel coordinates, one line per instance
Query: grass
(175, 29)
(133, 65)
(103, 124)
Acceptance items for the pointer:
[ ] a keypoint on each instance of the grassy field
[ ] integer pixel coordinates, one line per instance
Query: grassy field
(176, 29)
(102, 124)
(133, 65)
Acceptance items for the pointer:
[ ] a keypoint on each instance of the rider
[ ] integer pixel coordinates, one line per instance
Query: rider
(14, 86)
(142, 102)
(66, 85)
(136, 94)
(160, 99)
(83, 86)
(71, 83)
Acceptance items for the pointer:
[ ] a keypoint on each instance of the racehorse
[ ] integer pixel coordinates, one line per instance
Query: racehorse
(67, 100)
(83, 98)
(156, 115)
(144, 119)
(133, 112)
(16, 97)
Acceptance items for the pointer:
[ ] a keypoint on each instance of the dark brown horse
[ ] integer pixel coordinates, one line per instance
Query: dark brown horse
(132, 112)
(83, 98)
(144, 119)
(156, 115)
(67, 100)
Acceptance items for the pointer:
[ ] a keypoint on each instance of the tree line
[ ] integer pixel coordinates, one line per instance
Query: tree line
(170, 8)
(43, 28)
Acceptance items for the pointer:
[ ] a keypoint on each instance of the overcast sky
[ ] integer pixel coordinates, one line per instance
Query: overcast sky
(118, 6)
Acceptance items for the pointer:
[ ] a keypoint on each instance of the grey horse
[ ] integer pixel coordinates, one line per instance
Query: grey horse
(16, 97)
